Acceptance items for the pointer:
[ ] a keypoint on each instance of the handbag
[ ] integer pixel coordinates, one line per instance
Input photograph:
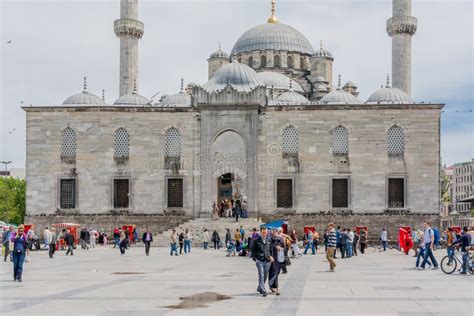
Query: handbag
(287, 261)
(27, 258)
(281, 256)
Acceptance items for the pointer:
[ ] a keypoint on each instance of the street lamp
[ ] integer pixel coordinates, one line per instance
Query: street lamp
(6, 163)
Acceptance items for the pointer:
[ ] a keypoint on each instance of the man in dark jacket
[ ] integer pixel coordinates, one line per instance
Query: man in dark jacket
(69, 240)
(262, 255)
(465, 245)
(147, 240)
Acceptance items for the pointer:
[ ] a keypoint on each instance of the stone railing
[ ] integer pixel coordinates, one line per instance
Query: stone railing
(401, 25)
(128, 27)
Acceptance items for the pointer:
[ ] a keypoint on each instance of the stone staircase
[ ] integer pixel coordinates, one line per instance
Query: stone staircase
(197, 225)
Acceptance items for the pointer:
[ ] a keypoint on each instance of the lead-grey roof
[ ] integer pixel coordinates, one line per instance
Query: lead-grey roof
(389, 95)
(181, 99)
(323, 53)
(340, 96)
(84, 98)
(239, 76)
(273, 36)
(291, 97)
(278, 81)
(132, 99)
(219, 54)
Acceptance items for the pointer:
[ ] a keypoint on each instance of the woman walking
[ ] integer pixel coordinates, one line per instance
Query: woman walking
(216, 239)
(278, 253)
(20, 251)
(123, 243)
(52, 244)
(363, 240)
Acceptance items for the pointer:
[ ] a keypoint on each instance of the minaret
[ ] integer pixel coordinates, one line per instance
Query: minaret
(129, 30)
(401, 28)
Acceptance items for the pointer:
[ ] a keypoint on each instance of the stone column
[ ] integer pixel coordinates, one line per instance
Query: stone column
(401, 28)
(129, 30)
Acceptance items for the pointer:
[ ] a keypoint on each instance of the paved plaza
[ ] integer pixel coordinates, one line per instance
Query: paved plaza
(102, 282)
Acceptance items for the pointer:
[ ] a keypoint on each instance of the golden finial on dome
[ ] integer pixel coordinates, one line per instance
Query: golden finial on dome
(273, 18)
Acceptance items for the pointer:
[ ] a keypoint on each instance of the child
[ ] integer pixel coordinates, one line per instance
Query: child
(231, 248)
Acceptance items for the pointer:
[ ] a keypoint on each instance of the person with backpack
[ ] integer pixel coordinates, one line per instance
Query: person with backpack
(465, 245)
(428, 241)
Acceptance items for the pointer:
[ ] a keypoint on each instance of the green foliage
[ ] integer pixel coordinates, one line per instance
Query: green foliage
(12, 200)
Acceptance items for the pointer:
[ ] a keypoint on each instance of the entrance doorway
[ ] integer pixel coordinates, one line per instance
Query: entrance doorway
(229, 186)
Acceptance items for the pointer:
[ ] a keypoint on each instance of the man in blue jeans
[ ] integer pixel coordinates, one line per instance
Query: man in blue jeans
(262, 255)
(428, 241)
(310, 243)
(465, 244)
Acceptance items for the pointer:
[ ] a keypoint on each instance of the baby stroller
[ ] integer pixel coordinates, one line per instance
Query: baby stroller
(230, 249)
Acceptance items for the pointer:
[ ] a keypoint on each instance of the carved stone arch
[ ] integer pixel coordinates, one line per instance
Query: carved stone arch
(229, 129)
(395, 123)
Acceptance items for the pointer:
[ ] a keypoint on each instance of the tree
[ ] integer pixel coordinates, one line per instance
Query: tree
(12, 200)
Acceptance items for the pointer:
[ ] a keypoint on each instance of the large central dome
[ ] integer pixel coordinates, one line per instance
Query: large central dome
(273, 36)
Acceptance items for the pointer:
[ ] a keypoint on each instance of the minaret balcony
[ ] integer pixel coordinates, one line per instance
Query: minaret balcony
(401, 25)
(128, 27)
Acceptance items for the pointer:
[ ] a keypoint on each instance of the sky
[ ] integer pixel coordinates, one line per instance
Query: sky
(54, 44)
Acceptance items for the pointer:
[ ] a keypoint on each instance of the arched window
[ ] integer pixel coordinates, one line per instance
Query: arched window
(289, 62)
(290, 142)
(121, 144)
(263, 61)
(68, 145)
(172, 143)
(340, 144)
(251, 61)
(396, 141)
(277, 61)
(302, 63)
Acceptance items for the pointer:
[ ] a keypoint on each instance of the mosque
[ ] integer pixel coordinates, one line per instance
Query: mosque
(272, 126)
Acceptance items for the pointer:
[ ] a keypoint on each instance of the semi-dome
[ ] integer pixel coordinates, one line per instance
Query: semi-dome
(239, 76)
(278, 81)
(291, 97)
(181, 99)
(389, 95)
(273, 36)
(340, 96)
(84, 98)
(132, 99)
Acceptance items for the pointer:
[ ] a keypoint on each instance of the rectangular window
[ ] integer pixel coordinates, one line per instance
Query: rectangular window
(175, 192)
(396, 193)
(285, 193)
(121, 193)
(67, 193)
(340, 193)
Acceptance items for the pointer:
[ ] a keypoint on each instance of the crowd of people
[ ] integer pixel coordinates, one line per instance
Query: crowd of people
(230, 208)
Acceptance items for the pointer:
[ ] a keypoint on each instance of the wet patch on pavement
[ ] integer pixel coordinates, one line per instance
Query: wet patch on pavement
(199, 300)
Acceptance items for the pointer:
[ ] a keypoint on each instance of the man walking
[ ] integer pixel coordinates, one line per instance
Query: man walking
(69, 240)
(173, 241)
(332, 243)
(46, 237)
(147, 240)
(310, 243)
(7, 235)
(52, 244)
(261, 254)
(428, 240)
(205, 239)
(187, 241)
(383, 239)
(350, 242)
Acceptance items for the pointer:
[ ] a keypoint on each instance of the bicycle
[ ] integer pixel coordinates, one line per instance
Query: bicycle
(449, 264)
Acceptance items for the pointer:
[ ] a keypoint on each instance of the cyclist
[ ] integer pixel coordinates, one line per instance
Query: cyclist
(465, 245)
(450, 240)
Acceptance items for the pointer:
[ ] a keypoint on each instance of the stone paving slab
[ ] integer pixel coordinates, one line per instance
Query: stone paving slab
(102, 282)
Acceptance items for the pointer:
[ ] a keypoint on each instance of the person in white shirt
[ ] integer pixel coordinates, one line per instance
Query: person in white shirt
(383, 239)
(47, 238)
(428, 241)
(350, 243)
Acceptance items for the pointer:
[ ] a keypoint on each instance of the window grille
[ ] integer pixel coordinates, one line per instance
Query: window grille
(68, 143)
(340, 193)
(396, 141)
(340, 141)
(121, 193)
(175, 192)
(396, 193)
(172, 143)
(67, 193)
(290, 142)
(122, 143)
(285, 193)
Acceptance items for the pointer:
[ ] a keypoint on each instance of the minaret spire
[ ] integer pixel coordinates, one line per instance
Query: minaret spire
(129, 30)
(401, 28)
(273, 18)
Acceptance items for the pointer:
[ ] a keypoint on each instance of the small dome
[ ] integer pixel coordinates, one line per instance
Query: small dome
(84, 98)
(180, 99)
(239, 76)
(350, 84)
(340, 96)
(272, 36)
(321, 88)
(278, 81)
(291, 97)
(219, 54)
(322, 53)
(132, 99)
(389, 95)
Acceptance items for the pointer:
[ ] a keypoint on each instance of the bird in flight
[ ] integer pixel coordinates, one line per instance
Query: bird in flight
(9, 42)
